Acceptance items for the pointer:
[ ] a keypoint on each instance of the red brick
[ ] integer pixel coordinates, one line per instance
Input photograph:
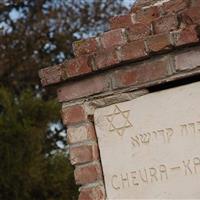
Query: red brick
(187, 60)
(94, 193)
(78, 66)
(121, 21)
(133, 51)
(157, 43)
(191, 16)
(105, 59)
(85, 46)
(83, 153)
(135, 8)
(83, 88)
(138, 31)
(113, 38)
(165, 24)
(51, 75)
(185, 36)
(195, 3)
(174, 6)
(147, 15)
(82, 133)
(146, 72)
(73, 114)
(88, 174)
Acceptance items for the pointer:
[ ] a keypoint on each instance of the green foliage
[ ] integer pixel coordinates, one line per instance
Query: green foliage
(26, 170)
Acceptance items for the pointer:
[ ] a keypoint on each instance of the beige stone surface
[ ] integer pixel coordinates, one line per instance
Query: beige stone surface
(150, 146)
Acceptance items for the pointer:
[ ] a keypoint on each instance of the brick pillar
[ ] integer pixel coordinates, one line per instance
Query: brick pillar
(83, 149)
(155, 43)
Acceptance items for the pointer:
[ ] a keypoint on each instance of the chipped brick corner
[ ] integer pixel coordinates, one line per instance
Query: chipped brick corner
(156, 42)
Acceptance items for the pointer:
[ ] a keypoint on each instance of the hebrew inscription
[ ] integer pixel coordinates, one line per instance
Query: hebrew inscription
(167, 134)
(150, 146)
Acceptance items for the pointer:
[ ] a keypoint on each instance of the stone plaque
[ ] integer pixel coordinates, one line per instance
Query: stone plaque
(150, 146)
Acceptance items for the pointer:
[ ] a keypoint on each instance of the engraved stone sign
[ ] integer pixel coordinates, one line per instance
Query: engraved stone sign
(150, 146)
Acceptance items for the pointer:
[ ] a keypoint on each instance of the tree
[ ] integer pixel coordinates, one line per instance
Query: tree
(39, 33)
(27, 170)
(33, 35)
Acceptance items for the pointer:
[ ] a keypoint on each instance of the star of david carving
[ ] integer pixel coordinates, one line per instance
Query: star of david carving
(124, 122)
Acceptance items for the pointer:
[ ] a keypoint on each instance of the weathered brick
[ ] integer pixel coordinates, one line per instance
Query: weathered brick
(195, 3)
(147, 15)
(73, 114)
(78, 66)
(82, 88)
(88, 174)
(185, 36)
(105, 59)
(187, 60)
(94, 193)
(51, 75)
(160, 42)
(142, 73)
(121, 21)
(138, 31)
(175, 6)
(165, 24)
(79, 134)
(86, 46)
(135, 9)
(133, 51)
(113, 38)
(83, 153)
(191, 16)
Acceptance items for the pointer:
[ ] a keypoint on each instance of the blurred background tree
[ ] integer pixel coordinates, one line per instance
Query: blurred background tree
(33, 35)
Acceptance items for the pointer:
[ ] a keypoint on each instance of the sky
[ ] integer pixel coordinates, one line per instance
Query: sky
(128, 2)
